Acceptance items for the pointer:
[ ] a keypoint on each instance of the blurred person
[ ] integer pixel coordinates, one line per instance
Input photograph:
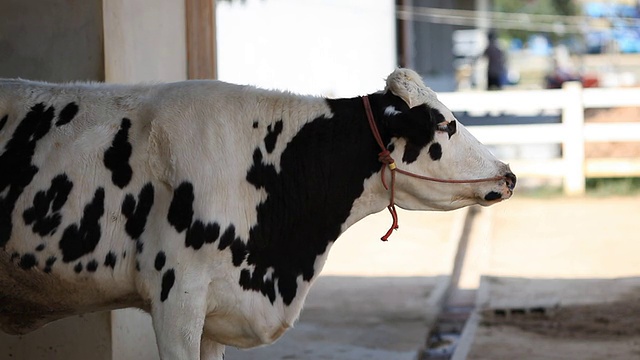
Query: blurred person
(559, 75)
(562, 69)
(496, 67)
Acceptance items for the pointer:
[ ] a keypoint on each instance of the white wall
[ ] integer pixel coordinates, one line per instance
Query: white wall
(336, 48)
(144, 40)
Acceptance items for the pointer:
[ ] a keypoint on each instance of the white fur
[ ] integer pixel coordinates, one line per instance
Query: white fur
(391, 111)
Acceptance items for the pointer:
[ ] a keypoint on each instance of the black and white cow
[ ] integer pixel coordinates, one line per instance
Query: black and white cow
(212, 206)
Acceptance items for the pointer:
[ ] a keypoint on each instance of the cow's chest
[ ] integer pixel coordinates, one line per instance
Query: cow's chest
(245, 319)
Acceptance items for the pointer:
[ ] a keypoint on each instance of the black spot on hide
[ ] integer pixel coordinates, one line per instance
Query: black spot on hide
(137, 212)
(49, 264)
(255, 125)
(3, 121)
(27, 261)
(238, 251)
(116, 157)
(266, 287)
(181, 208)
(168, 279)
(78, 267)
(273, 131)
(67, 114)
(139, 247)
(78, 240)
(40, 247)
(435, 151)
(181, 216)
(15, 162)
(227, 237)
(200, 233)
(110, 260)
(92, 266)
(45, 215)
(411, 153)
(161, 259)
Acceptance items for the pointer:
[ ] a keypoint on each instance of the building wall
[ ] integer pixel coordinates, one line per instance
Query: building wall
(429, 45)
(433, 42)
(52, 40)
(323, 47)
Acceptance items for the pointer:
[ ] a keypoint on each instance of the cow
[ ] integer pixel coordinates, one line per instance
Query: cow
(210, 205)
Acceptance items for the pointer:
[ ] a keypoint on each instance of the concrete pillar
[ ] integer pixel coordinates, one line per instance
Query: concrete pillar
(144, 40)
(61, 40)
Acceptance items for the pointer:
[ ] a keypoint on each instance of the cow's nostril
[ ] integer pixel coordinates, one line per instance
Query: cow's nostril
(511, 180)
(492, 196)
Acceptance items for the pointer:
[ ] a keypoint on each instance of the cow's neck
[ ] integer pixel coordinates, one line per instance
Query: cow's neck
(323, 171)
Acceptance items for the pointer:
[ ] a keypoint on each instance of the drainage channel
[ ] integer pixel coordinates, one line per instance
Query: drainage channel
(458, 304)
(445, 335)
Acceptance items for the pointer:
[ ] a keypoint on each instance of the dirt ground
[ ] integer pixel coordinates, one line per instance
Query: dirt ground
(613, 149)
(509, 343)
(608, 321)
(564, 280)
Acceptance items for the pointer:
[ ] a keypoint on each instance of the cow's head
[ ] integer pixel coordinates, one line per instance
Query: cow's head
(427, 139)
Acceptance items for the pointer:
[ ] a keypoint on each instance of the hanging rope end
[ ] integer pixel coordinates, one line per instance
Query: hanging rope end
(394, 225)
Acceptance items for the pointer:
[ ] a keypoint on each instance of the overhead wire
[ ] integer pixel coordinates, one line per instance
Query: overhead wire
(503, 20)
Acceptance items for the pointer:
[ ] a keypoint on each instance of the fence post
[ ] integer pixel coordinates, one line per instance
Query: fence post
(573, 149)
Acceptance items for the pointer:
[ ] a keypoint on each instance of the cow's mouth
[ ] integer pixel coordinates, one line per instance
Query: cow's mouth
(497, 196)
(493, 197)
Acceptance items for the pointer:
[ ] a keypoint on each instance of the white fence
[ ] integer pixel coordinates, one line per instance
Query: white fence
(572, 132)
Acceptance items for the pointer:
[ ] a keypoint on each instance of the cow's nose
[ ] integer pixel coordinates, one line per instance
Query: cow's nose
(511, 179)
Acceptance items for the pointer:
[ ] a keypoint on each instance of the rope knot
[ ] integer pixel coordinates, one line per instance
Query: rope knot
(385, 158)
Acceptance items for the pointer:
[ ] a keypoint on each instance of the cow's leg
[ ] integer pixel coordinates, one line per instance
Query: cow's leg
(178, 320)
(211, 350)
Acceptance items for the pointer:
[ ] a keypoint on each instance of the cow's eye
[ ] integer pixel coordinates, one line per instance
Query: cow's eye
(447, 126)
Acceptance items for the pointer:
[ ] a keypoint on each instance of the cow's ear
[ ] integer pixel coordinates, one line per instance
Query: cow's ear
(408, 85)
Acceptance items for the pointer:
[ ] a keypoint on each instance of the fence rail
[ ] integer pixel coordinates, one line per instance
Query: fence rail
(572, 132)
